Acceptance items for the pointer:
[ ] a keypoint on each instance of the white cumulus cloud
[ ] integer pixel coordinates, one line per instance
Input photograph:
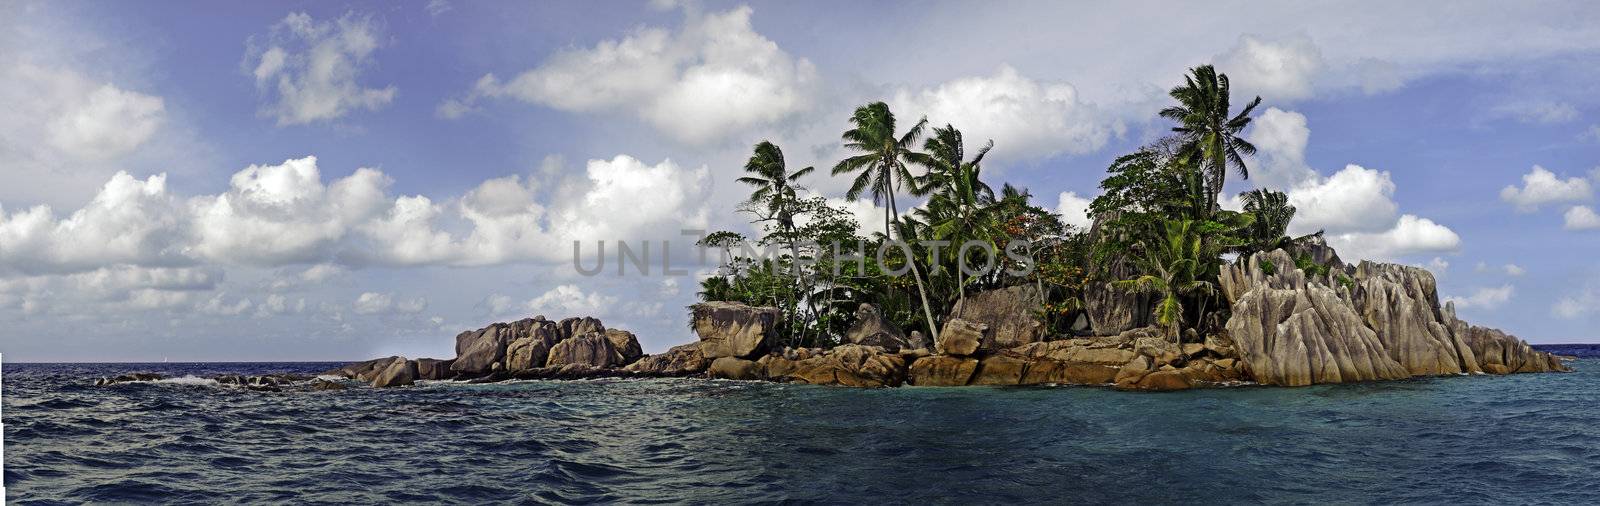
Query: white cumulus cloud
(309, 70)
(1025, 118)
(279, 214)
(1280, 138)
(1355, 206)
(1355, 199)
(1410, 235)
(62, 132)
(1074, 210)
(128, 221)
(1541, 187)
(1280, 69)
(1581, 218)
(712, 77)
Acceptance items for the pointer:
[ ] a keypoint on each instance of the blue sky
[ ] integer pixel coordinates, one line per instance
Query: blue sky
(162, 199)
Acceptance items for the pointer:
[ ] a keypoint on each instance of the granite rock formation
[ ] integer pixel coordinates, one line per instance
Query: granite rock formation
(730, 329)
(1010, 316)
(1373, 322)
(872, 329)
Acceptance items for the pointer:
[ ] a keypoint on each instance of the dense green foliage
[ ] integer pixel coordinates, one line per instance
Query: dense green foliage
(1158, 227)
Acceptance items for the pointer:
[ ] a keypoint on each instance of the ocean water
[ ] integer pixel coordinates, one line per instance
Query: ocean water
(1516, 439)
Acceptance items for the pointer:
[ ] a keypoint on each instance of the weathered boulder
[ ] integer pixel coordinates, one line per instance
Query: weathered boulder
(478, 351)
(1220, 346)
(682, 360)
(1113, 310)
(1290, 330)
(1401, 304)
(400, 372)
(1161, 381)
(363, 371)
(1010, 315)
(127, 378)
(592, 349)
(1042, 371)
(960, 337)
(872, 329)
(731, 329)
(917, 341)
(1316, 248)
(849, 365)
(1499, 353)
(1086, 351)
(1149, 342)
(1130, 373)
(626, 344)
(433, 369)
(942, 371)
(1307, 336)
(1000, 369)
(529, 352)
(322, 384)
(578, 326)
(734, 368)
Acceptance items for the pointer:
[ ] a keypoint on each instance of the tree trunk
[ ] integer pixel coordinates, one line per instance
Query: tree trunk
(911, 261)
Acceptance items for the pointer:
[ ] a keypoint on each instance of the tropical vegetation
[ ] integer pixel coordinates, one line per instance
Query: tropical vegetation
(1160, 227)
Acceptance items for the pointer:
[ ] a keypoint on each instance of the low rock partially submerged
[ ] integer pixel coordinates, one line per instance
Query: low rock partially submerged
(1362, 323)
(259, 383)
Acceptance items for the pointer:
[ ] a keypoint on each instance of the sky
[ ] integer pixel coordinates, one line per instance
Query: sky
(217, 181)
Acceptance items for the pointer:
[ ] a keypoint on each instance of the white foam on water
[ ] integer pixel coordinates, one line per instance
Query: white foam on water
(188, 380)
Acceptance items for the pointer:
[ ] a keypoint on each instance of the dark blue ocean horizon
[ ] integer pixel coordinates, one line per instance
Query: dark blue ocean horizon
(1474, 439)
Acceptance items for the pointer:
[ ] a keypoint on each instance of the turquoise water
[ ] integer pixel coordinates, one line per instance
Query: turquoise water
(1516, 439)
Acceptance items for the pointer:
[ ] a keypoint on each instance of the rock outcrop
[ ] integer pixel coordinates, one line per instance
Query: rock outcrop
(577, 326)
(682, 360)
(1499, 353)
(483, 351)
(1368, 322)
(433, 369)
(1113, 310)
(850, 365)
(942, 371)
(531, 348)
(960, 338)
(1290, 330)
(592, 349)
(398, 373)
(872, 329)
(1010, 316)
(735, 369)
(1401, 304)
(731, 329)
(626, 344)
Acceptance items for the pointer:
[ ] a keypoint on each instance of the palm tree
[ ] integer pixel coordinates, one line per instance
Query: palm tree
(775, 186)
(962, 203)
(1272, 214)
(882, 158)
(1210, 136)
(1171, 258)
(715, 288)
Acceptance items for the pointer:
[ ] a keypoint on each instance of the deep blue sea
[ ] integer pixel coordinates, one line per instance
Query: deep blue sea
(1518, 439)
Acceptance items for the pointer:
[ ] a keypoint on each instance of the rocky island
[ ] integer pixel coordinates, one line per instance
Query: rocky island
(1287, 328)
(1169, 288)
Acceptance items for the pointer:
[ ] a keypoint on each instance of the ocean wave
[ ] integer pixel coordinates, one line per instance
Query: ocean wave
(186, 380)
(1518, 439)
